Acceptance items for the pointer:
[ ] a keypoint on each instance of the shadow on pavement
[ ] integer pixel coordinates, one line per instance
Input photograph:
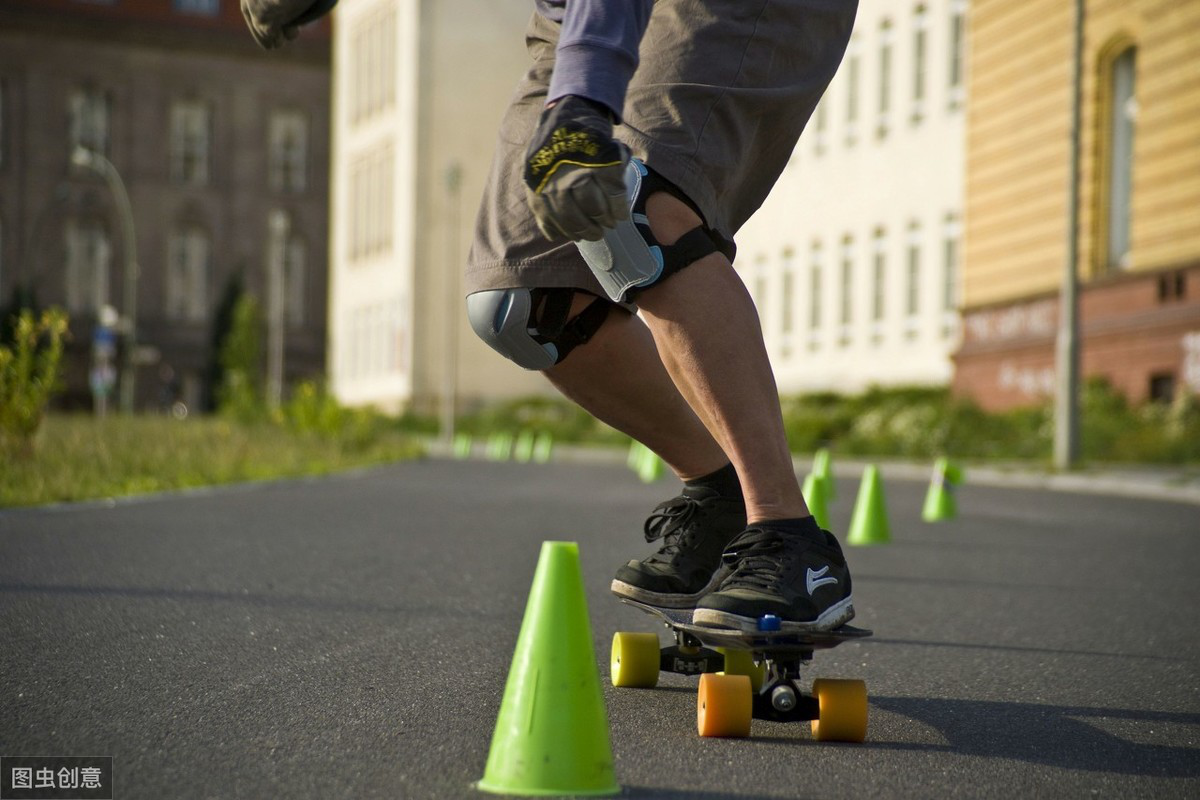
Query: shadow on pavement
(1058, 736)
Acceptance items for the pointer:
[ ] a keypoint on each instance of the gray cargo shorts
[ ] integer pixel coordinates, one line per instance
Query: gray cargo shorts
(722, 92)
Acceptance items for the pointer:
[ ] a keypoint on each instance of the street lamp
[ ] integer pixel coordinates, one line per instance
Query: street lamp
(280, 225)
(90, 159)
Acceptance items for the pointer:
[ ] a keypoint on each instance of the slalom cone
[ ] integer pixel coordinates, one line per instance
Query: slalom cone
(462, 446)
(869, 523)
(634, 459)
(500, 446)
(551, 735)
(543, 448)
(651, 468)
(823, 470)
(940, 503)
(523, 450)
(814, 498)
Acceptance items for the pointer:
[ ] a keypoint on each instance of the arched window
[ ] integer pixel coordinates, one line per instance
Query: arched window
(1119, 86)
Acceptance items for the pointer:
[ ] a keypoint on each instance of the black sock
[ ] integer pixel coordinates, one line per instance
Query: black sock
(802, 526)
(724, 482)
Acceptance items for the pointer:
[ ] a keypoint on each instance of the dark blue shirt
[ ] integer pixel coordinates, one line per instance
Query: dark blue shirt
(597, 51)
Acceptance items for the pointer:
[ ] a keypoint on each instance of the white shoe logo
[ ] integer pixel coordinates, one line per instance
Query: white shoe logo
(815, 578)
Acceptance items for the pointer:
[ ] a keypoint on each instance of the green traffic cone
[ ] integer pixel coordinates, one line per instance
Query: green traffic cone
(823, 469)
(940, 503)
(462, 446)
(634, 459)
(651, 468)
(869, 523)
(551, 735)
(543, 447)
(814, 498)
(523, 451)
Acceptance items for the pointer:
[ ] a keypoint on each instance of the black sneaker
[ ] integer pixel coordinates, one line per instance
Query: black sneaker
(803, 582)
(695, 528)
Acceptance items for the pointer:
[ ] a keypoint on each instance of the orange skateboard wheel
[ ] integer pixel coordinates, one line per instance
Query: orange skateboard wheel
(724, 705)
(843, 710)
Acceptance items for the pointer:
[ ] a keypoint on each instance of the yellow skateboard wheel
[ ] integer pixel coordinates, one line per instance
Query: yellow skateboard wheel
(724, 705)
(635, 659)
(741, 662)
(843, 710)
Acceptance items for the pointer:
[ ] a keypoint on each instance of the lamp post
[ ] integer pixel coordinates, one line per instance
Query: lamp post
(280, 226)
(90, 159)
(1066, 401)
(453, 178)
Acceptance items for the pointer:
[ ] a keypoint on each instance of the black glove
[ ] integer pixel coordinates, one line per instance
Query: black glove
(575, 171)
(272, 22)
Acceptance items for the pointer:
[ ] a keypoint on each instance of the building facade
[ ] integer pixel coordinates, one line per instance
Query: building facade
(223, 150)
(854, 259)
(1138, 240)
(419, 90)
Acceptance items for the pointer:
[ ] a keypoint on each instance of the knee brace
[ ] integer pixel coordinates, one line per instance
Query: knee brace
(530, 326)
(628, 258)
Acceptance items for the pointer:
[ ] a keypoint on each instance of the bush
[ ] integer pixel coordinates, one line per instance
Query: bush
(240, 395)
(30, 374)
(313, 411)
(564, 421)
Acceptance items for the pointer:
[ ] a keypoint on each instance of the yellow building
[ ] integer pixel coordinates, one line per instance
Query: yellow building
(1139, 224)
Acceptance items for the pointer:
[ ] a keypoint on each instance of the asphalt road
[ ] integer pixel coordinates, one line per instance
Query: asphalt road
(350, 637)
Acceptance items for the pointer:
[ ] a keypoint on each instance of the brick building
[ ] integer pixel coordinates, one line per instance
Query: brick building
(1139, 232)
(213, 139)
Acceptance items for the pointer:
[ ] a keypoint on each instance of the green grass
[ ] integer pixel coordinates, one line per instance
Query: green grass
(80, 458)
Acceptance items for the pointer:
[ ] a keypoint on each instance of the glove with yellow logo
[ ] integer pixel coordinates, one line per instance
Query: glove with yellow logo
(575, 171)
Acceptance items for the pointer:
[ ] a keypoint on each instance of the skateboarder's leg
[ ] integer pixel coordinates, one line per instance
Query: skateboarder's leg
(707, 329)
(619, 378)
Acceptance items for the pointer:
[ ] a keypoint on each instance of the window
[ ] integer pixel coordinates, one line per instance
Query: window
(920, 25)
(1122, 114)
(371, 203)
(3, 111)
(954, 79)
(203, 8)
(878, 284)
(950, 246)
(190, 134)
(373, 76)
(295, 282)
(822, 127)
(88, 110)
(814, 296)
(787, 317)
(846, 317)
(89, 258)
(913, 280)
(189, 260)
(885, 77)
(1162, 387)
(852, 70)
(288, 151)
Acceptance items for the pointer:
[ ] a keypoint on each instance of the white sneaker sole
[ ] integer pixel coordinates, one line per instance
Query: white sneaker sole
(837, 614)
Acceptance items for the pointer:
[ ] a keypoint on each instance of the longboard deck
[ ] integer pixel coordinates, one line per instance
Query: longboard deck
(766, 642)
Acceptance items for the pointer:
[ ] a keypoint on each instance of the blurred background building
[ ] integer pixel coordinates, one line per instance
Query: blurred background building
(854, 259)
(211, 137)
(918, 236)
(419, 89)
(1139, 233)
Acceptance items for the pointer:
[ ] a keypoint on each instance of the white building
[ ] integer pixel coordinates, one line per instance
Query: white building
(854, 258)
(419, 89)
